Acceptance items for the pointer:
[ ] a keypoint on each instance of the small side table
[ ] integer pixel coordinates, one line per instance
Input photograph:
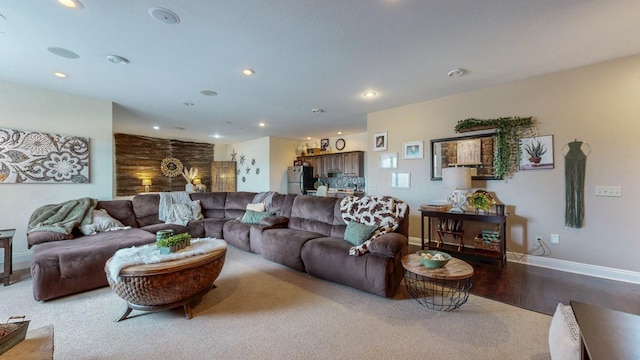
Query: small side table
(6, 240)
(442, 289)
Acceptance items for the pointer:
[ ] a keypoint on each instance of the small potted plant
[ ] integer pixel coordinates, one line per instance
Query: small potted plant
(535, 152)
(173, 243)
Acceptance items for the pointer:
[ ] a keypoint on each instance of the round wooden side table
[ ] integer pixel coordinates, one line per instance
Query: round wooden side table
(442, 289)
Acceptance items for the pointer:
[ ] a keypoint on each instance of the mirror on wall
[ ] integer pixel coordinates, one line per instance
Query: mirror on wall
(474, 151)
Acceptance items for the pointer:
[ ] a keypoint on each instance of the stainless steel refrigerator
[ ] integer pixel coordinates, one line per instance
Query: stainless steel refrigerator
(299, 179)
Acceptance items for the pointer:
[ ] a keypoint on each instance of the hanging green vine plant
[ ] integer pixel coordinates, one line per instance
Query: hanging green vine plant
(509, 131)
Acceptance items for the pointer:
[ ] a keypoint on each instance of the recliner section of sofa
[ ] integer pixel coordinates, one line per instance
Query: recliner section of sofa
(305, 233)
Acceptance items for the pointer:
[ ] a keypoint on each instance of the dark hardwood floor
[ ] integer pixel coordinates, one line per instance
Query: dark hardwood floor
(541, 289)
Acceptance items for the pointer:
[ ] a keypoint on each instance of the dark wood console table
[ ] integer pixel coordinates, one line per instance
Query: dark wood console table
(500, 220)
(607, 333)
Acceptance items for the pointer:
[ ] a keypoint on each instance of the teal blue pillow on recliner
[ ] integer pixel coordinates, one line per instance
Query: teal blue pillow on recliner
(254, 217)
(357, 233)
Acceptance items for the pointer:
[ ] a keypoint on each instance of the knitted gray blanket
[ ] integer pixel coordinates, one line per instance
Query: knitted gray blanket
(63, 217)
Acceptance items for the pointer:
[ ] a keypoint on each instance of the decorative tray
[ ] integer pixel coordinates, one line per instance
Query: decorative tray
(11, 333)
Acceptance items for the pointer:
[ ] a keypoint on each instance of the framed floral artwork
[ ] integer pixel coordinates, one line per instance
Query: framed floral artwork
(380, 141)
(35, 157)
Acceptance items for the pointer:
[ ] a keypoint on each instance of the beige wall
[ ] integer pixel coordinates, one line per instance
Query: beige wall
(26, 108)
(599, 104)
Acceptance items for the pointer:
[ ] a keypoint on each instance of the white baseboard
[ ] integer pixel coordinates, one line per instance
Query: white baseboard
(568, 266)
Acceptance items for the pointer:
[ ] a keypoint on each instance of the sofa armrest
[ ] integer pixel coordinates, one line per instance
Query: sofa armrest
(389, 244)
(274, 221)
(39, 237)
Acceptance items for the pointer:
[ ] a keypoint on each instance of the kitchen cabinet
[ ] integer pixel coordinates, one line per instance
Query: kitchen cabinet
(348, 163)
(353, 163)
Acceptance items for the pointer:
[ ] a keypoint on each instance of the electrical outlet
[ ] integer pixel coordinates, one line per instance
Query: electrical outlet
(554, 239)
(539, 239)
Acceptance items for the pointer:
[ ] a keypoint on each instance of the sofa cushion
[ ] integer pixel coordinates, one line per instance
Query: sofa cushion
(314, 214)
(237, 233)
(121, 210)
(328, 258)
(69, 266)
(236, 204)
(182, 214)
(212, 203)
(193, 228)
(146, 209)
(357, 233)
(284, 246)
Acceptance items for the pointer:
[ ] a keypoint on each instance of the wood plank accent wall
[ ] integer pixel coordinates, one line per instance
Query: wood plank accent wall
(139, 157)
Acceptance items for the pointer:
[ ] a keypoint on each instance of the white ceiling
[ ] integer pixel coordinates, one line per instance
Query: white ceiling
(307, 54)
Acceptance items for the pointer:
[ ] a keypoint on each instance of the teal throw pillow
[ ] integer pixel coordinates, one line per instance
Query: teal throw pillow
(357, 233)
(254, 217)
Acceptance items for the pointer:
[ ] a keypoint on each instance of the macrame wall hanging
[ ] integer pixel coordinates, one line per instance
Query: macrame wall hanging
(575, 164)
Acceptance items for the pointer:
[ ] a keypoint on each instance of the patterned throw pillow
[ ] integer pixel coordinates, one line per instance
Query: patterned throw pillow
(101, 222)
(357, 233)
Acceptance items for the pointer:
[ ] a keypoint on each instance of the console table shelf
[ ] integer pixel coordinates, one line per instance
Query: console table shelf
(500, 220)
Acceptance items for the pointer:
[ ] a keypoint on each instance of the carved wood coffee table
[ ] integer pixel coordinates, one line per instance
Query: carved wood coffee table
(166, 285)
(443, 289)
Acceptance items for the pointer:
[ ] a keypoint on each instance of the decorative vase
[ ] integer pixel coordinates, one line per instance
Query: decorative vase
(188, 187)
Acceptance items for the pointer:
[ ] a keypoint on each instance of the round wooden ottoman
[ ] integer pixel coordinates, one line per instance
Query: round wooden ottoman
(169, 284)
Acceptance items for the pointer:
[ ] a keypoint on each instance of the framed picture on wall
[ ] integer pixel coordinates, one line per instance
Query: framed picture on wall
(324, 144)
(389, 161)
(413, 150)
(536, 153)
(401, 180)
(380, 141)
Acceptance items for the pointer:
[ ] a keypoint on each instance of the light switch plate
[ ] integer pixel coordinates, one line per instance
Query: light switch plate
(614, 191)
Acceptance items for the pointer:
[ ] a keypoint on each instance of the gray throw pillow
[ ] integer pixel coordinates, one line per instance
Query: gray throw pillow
(357, 233)
(254, 217)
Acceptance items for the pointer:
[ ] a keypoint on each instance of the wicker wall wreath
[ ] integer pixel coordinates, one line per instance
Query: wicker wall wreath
(171, 167)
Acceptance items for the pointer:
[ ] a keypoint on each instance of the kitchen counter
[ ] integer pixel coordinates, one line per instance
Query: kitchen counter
(339, 192)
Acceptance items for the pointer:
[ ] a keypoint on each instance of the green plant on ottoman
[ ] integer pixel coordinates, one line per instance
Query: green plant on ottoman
(174, 243)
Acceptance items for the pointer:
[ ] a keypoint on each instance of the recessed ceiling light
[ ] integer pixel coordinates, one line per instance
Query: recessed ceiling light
(187, 103)
(248, 72)
(117, 59)
(456, 72)
(215, 136)
(339, 132)
(63, 52)
(315, 111)
(74, 4)
(261, 124)
(156, 127)
(369, 94)
(60, 74)
(164, 16)
(208, 93)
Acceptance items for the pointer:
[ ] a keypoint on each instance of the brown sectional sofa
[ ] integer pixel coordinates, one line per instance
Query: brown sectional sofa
(306, 234)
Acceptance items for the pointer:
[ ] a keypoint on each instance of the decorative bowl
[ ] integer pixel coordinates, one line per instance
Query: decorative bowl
(433, 264)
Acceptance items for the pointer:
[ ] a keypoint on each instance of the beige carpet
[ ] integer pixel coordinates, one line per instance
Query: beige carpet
(262, 310)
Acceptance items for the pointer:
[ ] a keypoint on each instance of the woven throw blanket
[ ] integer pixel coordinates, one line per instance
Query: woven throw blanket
(385, 212)
(167, 199)
(150, 254)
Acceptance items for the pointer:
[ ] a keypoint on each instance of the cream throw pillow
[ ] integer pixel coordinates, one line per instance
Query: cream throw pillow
(259, 207)
(101, 222)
